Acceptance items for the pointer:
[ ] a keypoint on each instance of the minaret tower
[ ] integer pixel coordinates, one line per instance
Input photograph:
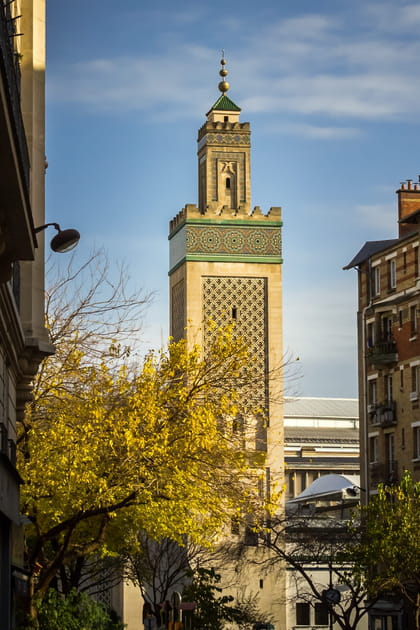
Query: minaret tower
(225, 264)
(224, 156)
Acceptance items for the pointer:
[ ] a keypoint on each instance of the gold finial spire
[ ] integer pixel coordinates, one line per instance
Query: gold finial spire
(223, 85)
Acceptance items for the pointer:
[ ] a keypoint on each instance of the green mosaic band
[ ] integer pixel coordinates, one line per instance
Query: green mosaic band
(237, 240)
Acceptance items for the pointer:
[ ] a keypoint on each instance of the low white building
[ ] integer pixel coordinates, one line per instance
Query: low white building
(318, 517)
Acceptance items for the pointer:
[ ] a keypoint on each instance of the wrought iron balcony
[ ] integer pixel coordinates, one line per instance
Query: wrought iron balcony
(10, 76)
(383, 414)
(383, 352)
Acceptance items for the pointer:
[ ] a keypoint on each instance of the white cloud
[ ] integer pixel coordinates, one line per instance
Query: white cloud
(316, 132)
(306, 65)
(410, 16)
(394, 16)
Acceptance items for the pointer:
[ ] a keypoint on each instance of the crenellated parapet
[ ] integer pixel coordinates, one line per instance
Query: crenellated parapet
(226, 235)
(191, 212)
(221, 132)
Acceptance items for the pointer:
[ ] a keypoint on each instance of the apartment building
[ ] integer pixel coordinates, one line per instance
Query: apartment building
(23, 338)
(389, 347)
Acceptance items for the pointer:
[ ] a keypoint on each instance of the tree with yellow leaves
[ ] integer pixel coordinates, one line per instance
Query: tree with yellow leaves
(109, 448)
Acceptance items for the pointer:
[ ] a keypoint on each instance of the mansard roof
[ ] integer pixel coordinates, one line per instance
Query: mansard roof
(370, 248)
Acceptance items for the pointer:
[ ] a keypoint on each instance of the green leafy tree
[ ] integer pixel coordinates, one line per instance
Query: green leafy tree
(76, 611)
(213, 609)
(388, 556)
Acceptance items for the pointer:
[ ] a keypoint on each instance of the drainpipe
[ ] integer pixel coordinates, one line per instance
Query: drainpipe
(364, 384)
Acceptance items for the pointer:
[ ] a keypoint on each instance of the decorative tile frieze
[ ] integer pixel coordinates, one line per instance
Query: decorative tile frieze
(226, 239)
(227, 138)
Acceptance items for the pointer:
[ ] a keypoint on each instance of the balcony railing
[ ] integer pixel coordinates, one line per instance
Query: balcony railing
(383, 352)
(383, 414)
(383, 472)
(10, 71)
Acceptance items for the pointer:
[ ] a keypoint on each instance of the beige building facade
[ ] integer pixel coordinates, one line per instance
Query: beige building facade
(23, 337)
(226, 266)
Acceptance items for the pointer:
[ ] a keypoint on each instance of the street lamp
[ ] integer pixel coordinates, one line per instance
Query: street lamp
(64, 240)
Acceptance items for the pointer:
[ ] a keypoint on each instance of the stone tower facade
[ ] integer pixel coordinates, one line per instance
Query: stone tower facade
(225, 265)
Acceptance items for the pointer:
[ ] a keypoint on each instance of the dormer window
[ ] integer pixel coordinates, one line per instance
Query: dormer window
(227, 182)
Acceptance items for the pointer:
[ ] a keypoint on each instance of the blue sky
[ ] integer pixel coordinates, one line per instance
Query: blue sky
(332, 92)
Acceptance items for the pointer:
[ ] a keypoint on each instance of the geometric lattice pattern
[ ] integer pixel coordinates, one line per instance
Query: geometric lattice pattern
(242, 300)
(178, 311)
(257, 241)
(104, 597)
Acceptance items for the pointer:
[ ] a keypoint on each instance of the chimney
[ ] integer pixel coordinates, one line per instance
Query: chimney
(408, 207)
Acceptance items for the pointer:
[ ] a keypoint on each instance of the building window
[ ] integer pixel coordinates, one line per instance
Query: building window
(373, 449)
(414, 382)
(388, 387)
(402, 379)
(321, 615)
(392, 274)
(376, 281)
(302, 614)
(416, 442)
(386, 328)
(405, 262)
(390, 456)
(416, 261)
(251, 537)
(373, 393)
(227, 182)
(413, 320)
(371, 335)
